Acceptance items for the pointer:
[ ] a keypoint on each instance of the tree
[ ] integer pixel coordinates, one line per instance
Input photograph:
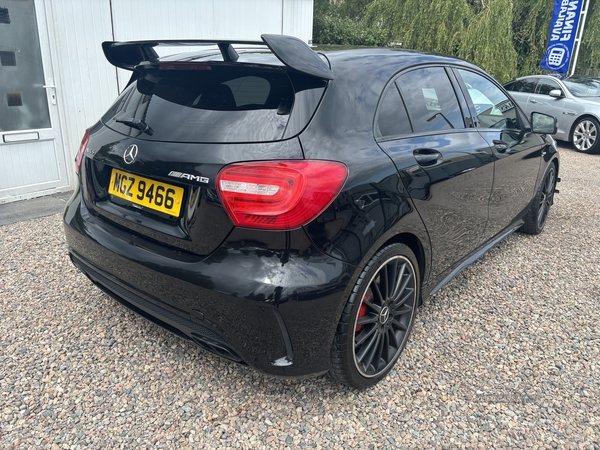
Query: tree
(343, 23)
(506, 37)
(479, 31)
(531, 28)
(488, 39)
(434, 26)
(589, 57)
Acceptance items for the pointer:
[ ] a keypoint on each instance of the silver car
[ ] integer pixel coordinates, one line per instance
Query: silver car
(574, 101)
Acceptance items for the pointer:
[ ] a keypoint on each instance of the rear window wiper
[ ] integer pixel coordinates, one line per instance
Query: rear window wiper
(137, 124)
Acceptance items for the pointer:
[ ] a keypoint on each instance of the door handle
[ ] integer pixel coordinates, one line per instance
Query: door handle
(427, 157)
(500, 146)
(533, 101)
(52, 93)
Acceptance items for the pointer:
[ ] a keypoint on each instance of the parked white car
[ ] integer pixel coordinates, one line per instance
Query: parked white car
(574, 101)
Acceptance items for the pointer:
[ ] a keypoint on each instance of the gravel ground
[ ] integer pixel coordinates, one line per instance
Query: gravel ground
(506, 356)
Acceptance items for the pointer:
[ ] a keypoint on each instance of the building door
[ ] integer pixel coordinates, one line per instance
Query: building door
(32, 158)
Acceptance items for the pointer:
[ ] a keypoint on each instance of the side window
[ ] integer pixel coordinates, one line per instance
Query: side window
(392, 119)
(545, 86)
(430, 100)
(525, 85)
(494, 109)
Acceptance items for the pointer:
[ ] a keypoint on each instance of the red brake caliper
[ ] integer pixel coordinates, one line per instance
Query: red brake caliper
(362, 312)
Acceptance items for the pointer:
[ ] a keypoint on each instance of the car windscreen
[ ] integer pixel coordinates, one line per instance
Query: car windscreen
(583, 87)
(206, 104)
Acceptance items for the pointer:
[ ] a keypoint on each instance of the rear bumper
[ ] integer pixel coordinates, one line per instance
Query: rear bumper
(273, 307)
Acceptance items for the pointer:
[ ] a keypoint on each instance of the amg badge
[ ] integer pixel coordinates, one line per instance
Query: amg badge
(188, 176)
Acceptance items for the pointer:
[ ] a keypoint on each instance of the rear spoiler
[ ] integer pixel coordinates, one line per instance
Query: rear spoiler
(291, 51)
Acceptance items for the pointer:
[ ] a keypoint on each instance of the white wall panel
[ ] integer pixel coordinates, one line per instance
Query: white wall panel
(27, 167)
(85, 81)
(209, 19)
(189, 19)
(297, 19)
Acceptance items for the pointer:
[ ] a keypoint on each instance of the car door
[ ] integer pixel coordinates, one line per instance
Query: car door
(516, 149)
(446, 166)
(565, 109)
(540, 100)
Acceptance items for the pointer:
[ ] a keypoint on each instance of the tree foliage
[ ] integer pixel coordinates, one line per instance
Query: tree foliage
(531, 28)
(506, 37)
(344, 24)
(590, 44)
(435, 26)
(492, 50)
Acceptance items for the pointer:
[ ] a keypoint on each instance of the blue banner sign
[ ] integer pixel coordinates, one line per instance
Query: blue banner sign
(563, 29)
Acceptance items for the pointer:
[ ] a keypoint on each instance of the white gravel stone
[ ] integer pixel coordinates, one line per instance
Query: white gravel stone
(507, 355)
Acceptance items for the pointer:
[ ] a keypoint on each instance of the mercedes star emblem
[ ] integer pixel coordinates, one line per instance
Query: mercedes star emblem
(130, 154)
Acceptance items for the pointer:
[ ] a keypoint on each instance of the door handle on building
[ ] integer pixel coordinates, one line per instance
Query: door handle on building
(52, 93)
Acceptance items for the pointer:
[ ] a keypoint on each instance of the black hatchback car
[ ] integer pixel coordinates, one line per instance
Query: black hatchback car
(288, 209)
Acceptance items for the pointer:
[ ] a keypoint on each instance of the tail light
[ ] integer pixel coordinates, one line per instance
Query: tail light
(279, 195)
(82, 147)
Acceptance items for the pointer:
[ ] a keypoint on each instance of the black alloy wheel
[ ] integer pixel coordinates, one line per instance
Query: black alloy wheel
(378, 318)
(536, 217)
(585, 135)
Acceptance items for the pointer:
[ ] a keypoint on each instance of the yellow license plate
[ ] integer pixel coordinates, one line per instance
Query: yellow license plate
(142, 191)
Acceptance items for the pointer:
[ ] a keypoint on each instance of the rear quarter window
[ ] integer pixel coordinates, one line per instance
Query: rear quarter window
(392, 119)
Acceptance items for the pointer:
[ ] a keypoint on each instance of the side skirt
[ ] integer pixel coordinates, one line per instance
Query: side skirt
(474, 257)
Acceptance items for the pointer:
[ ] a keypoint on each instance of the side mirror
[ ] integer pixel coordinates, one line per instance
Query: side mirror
(556, 93)
(543, 123)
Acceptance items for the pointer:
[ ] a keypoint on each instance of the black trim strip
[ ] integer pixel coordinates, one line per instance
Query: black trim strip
(474, 257)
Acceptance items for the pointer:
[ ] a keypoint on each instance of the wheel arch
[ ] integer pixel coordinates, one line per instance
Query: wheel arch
(579, 119)
(409, 239)
(556, 163)
(414, 243)
(344, 366)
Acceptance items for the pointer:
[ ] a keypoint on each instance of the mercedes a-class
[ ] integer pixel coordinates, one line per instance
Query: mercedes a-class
(290, 209)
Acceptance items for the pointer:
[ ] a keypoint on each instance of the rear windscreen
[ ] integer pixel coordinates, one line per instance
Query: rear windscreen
(206, 104)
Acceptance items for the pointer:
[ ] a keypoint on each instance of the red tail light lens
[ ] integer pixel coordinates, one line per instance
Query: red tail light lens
(279, 195)
(82, 147)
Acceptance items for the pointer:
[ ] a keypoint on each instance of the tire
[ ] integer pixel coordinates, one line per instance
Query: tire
(586, 136)
(380, 312)
(536, 217)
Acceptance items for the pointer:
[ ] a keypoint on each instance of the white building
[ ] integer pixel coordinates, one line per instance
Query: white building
(55, 81)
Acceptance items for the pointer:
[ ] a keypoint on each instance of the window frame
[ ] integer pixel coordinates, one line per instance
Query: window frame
(549, 81)
(523, 123)
(379, 108)
(464, 109)
(530, 80)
